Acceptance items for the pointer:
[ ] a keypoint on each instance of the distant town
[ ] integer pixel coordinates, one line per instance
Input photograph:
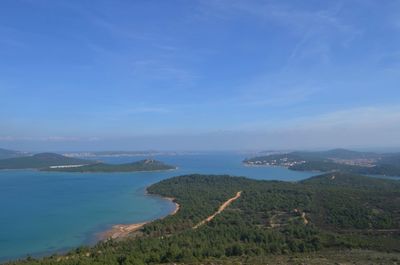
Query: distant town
(282, 162)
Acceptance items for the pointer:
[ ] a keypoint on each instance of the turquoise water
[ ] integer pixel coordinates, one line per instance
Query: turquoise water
(48, 212)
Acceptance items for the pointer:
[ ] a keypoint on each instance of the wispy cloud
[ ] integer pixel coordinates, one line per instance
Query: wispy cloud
(316, 29)
(117, 30)
(151, 54)
(298, 20)
(47, 139)
(378, 117)
(389, 60)
(10, 138)
(59, 139)
(269, 92)
(316, 33)
(373, 126)
(163, 70)
(139, 110)
(361, 119)
(358, 127)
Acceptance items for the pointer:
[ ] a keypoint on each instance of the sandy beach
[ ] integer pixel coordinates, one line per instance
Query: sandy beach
(123, 230)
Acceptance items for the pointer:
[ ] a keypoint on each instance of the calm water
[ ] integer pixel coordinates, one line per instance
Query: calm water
(43, 212)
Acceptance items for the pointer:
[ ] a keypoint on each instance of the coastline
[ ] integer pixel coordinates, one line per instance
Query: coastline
(111, 172)
(120, 231)
(261, 165)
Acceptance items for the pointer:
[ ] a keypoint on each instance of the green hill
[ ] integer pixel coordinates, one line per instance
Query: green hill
(42, 160)
(346, 180)
(142, 165)
(322, 220)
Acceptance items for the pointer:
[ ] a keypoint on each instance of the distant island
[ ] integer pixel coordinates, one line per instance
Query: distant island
(57, 162)
(42, 161)
(6, 153)
(126, 153)
(142, 165)
(333, 160)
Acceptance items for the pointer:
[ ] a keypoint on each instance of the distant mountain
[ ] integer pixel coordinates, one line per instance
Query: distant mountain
(42, 160)
(5, 153)
(142, 165)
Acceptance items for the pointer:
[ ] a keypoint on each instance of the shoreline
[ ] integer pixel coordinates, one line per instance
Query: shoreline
(85, 172)
(111, 172)
(120, 231)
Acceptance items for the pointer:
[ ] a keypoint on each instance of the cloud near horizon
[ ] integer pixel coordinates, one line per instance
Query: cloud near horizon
(353, 128)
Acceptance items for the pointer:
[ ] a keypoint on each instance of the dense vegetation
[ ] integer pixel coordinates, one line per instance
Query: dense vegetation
(271, 219)
(326, 166)
(40, 161)
(334, 160)
(142, 165)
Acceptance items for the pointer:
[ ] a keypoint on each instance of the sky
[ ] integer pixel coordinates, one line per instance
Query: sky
(199, 75)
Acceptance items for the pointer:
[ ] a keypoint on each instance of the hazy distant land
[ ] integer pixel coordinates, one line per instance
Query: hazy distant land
(56, 162)
(142, 165)
(342, 160)
(6, 153)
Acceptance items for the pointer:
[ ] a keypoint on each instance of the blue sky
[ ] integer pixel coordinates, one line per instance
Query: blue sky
(224, 74)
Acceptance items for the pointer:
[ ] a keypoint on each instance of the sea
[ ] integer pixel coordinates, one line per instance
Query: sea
(43, 213)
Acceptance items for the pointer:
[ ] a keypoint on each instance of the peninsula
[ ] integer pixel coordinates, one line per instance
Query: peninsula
(333, 160)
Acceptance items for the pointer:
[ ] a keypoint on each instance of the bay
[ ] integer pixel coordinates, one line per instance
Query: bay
(50, 212)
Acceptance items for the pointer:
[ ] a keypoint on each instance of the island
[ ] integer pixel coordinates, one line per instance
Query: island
(41, 161)
(57, 162)
(142, 165)
(334, 218)
(342, 160)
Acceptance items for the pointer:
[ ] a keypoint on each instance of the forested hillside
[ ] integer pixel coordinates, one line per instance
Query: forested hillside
(271, 219)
